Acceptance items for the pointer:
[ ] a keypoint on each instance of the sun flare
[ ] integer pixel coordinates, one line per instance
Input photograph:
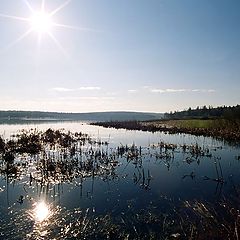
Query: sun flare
(41, 22)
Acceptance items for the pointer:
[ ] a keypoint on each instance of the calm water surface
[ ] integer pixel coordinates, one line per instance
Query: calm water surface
(64, 210)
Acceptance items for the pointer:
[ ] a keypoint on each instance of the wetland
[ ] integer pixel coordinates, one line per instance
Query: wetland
(72, 180)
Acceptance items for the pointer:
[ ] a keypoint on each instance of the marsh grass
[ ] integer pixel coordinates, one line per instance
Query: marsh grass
(192, 123)
(200, 123)
(205, 123)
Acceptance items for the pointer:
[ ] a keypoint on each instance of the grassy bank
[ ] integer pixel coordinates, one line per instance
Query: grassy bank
(192, 123)
(197, 123)
(218, 128)
(186, 123)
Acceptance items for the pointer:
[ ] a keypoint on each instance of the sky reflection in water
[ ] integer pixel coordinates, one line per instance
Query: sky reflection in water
(128, 194)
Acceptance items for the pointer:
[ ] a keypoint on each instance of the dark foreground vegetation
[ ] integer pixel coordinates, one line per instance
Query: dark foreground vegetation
(61, 156)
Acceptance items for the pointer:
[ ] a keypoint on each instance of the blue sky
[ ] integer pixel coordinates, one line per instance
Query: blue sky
(138, 55)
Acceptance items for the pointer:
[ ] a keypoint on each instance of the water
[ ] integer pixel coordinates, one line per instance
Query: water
(139, 199)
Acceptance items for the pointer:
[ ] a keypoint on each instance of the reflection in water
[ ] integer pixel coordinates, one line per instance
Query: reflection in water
(43, 220)
(41, 211)
(94, 189)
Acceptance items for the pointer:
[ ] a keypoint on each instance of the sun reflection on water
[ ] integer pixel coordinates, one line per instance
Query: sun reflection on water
(41, 211)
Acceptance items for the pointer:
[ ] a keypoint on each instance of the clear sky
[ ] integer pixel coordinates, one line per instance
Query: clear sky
(104, 55)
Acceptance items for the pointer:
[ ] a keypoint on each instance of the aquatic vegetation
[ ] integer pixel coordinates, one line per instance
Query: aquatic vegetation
(2, 145)
(52, 159)
(28, 143)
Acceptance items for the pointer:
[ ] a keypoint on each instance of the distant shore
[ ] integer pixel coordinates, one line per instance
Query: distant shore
(218, 128)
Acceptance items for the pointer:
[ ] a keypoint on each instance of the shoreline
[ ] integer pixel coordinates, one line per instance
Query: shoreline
(220, 133)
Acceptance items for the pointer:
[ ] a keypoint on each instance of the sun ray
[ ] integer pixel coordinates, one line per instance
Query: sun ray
(74, 27)
(37, 55)
(14, 17)
(10, 45)
(60, 47)
(39, 41)
(43, 6)
(29, 6)
(60, 7)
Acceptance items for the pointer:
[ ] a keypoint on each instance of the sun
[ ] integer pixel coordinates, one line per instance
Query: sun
(41, 22)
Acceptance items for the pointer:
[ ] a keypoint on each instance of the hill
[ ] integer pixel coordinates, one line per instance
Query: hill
(91, 116)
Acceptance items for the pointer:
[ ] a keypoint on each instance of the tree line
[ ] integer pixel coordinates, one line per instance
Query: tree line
(204, 112)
